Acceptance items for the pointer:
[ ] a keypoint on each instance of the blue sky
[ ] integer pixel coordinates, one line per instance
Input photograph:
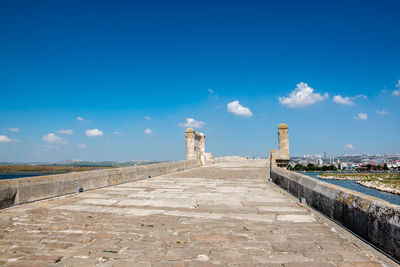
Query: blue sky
(329, 69)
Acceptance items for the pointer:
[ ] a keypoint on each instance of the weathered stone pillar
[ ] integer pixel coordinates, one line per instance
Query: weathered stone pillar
(190, 137)
(283, 156)
(202, 149)
(283, 138)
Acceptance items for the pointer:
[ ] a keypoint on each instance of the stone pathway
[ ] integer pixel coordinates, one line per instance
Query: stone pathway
(224, 214)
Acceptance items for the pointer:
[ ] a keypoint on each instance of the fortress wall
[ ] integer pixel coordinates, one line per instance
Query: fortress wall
(374, 219)
(20, 190)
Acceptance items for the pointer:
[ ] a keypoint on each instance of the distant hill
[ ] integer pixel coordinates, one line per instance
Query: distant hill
(63, 165)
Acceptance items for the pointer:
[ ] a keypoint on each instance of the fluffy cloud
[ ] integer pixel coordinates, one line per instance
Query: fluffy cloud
(14, 130)
(302, 96)
(343, 100)
(82, 145)
(192, 123)
(5, 139)
(52, 138)
(236, 108)
(381, 112)
(148, 131)
(94, 132)
(396, 93)
(361, 116)
(118, 133)
(349, 146)
(80, 119)
(62, 131)
(147, 118)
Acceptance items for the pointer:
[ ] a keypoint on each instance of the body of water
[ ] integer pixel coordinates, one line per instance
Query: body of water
(389, 197)
(13, 175)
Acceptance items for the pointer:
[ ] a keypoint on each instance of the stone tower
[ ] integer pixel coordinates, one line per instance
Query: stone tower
(190, 148)
(281, 156)
(195, 145)
(283, 139)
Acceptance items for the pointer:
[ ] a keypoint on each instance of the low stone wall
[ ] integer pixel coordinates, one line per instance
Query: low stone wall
(374, 219)
(228, 158)
(20, 190)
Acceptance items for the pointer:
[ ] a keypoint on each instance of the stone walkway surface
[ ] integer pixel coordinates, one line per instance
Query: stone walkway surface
(224, 214)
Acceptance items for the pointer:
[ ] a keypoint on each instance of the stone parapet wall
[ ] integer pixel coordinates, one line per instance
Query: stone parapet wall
(228, 158)
(373, 219)
(20, 190)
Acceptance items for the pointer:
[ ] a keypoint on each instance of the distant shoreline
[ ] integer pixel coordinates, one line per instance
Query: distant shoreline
(44, 169)
(385, 182)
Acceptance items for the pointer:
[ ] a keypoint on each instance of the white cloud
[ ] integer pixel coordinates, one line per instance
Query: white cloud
(396, 93)
(94, 132)
(80, 119)
(343, 100)
(62, 131)
(118, 133)
(360, 96)
(211, 91)
(5, 139)
(361, 116)
(302, 96)
(349, 146)
(147, 118)
(347, 100)
(148, 131)
(398, 84)
(381, 112)
(14, 130)
(82, 145)
(236, 108)
(192, 123)
(52, 138)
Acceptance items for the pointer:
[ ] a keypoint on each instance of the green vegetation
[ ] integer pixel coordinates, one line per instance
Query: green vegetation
(312, 168)
(110, 251)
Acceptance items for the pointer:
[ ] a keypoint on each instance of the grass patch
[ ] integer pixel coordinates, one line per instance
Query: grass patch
(110, 251)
